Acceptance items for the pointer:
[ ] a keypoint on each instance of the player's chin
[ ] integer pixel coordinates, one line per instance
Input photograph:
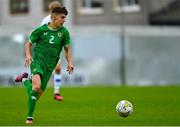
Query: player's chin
(61, 23)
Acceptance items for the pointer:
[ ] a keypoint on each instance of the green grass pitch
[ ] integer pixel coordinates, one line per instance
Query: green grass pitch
(94, 106)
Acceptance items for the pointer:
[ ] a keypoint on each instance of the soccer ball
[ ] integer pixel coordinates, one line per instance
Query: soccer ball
(124, 108)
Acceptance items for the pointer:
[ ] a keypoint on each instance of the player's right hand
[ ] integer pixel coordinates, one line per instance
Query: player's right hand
(70, 69)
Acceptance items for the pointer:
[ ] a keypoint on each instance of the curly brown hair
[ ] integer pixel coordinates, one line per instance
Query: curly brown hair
(60, 10)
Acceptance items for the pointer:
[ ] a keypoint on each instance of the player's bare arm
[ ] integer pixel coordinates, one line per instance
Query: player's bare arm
(28, 54)
(68, 59)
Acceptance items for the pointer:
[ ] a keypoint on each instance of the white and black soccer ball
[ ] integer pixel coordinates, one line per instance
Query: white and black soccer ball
(124, 108)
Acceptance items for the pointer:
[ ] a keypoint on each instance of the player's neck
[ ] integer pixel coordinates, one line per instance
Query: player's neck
(52, 26)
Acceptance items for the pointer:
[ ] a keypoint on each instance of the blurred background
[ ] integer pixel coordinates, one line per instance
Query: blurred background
(114, 42)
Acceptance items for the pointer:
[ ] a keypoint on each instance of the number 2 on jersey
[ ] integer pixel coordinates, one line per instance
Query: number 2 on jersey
(51, 40)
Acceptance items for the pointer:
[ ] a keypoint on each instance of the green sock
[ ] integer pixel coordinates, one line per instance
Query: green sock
(32, 102)
(28, 86)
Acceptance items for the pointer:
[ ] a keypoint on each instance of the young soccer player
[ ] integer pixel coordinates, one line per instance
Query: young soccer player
(49, 39)
(57, 71)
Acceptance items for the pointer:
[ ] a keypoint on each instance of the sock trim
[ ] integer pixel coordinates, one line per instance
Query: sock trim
(30, 118)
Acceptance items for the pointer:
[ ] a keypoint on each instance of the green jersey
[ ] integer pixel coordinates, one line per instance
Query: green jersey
(49, 43)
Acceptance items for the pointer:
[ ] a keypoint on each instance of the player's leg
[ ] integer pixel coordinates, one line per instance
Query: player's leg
(32, 88)
(37, 74)
(33, 96)
(39, 83)
(57, 82)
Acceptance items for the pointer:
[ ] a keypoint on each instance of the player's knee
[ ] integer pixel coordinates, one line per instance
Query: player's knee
(37, 88)
(36, 85)
(58, 69)
(36, 82)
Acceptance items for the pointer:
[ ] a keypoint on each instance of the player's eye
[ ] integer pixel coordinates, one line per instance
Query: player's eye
(63, 17)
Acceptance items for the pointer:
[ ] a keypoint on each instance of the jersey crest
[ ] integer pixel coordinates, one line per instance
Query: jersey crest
(60, 34)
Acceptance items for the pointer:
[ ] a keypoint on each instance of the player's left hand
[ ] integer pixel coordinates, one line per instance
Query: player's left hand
(70, 69)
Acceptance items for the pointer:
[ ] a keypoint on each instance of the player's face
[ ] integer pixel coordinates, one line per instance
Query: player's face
(59, 19)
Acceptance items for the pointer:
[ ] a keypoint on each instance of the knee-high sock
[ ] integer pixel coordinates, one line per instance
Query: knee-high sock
(28, 86)
(32, 102)
(57, 83)
(32, 97)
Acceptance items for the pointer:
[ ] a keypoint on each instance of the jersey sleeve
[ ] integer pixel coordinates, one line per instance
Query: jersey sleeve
(67, 39)
(35, 35)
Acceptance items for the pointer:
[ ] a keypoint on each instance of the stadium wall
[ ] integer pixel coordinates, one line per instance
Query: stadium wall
(151, 55)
